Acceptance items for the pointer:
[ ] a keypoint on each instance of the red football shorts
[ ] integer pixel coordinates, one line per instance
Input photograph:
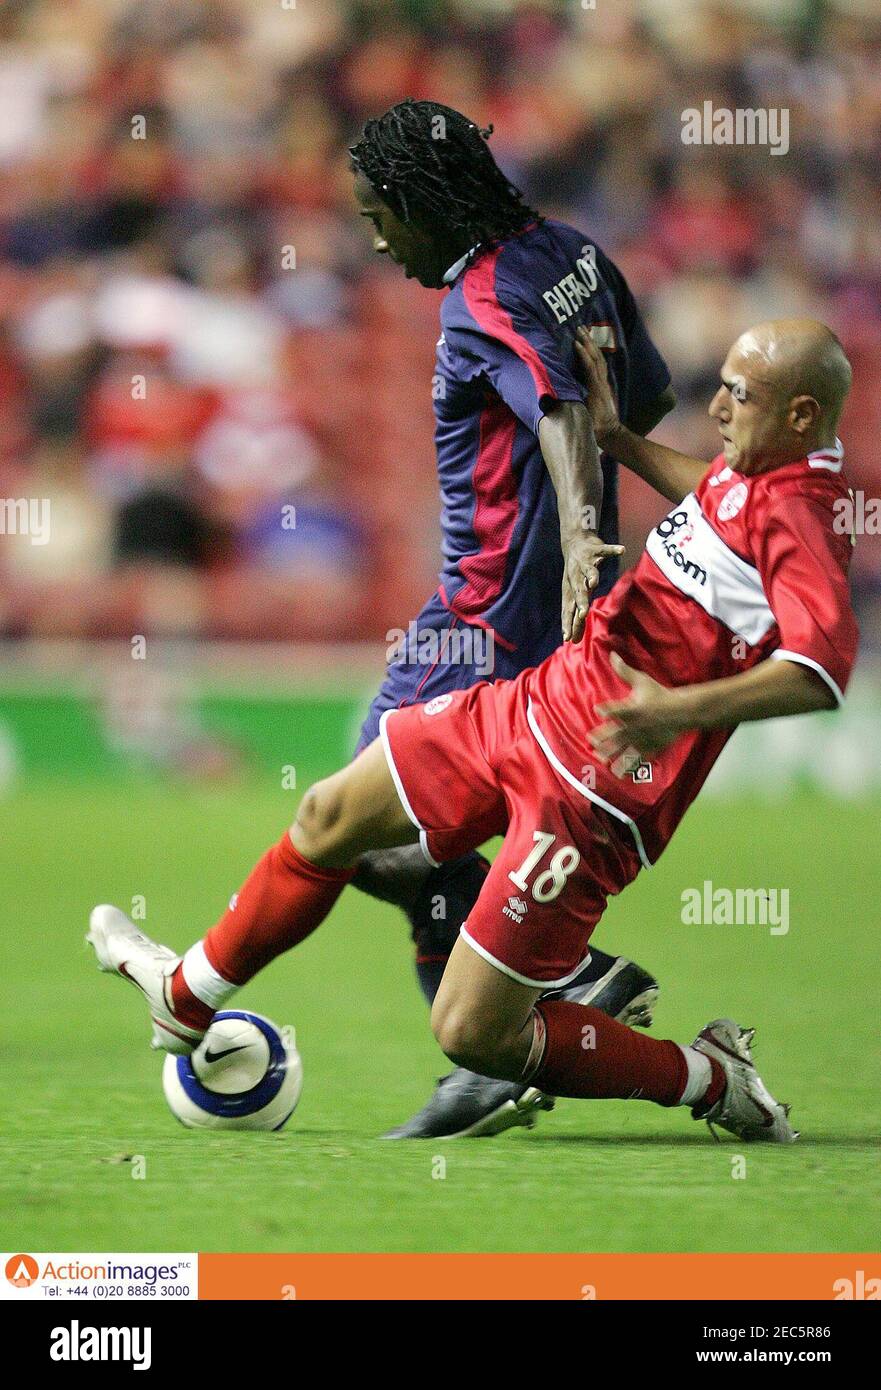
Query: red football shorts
(467, 767)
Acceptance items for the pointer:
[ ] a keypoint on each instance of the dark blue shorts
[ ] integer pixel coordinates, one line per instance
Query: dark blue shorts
(442, 653)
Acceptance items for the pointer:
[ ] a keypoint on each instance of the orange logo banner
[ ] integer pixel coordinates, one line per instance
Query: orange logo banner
(531, 1277)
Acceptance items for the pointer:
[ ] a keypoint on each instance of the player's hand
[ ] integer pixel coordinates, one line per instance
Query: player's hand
(645, 722)
(601, 405)
(582, 556)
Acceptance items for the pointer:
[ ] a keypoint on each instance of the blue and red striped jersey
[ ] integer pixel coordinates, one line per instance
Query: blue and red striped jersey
(506, 351)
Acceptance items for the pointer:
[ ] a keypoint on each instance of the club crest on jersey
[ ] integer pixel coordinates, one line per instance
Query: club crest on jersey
(438, 704)
(732, 501)
(642, 772)
(516, 909)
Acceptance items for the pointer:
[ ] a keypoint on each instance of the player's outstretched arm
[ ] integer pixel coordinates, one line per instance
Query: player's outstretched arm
(565, 435)
(644, 419)
(653, 715)
(670, 473)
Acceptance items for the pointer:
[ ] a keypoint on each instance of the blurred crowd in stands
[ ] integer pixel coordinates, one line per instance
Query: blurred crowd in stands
(226, 397)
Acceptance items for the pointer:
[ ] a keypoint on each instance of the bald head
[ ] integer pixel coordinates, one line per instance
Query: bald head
(800, 357)
(784, 384)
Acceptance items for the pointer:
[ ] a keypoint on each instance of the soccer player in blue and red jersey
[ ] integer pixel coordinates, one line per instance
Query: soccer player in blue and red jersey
(529, 511)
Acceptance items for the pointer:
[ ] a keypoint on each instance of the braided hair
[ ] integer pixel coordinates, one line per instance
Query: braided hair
(432, 166)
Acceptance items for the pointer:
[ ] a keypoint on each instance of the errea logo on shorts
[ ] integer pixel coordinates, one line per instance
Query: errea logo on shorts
(516, 909)
(438, 704)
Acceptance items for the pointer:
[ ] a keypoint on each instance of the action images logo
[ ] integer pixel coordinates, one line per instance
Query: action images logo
(21, 1271)
(50, 1274)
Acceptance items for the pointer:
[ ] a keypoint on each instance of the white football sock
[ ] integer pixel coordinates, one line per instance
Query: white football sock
(700, 1074)
(203, 980)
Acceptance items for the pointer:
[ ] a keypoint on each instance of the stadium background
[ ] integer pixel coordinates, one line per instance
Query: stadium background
(195, 335)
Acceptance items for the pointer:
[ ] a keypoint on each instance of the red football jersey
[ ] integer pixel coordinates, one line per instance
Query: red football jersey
(740, 570)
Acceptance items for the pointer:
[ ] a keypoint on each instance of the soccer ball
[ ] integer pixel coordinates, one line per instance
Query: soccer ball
(245, 1074)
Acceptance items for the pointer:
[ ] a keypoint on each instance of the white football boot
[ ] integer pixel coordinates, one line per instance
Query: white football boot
(122, 949)
(746, 1107)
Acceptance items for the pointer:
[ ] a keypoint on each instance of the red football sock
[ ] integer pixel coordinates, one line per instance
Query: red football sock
(587, 1053)
(283, 899)
(188, 1007)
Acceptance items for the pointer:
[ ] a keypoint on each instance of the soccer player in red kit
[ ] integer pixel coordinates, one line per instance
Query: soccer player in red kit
(739, 609)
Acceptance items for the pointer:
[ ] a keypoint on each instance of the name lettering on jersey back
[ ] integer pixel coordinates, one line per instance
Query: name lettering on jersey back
(566, 297)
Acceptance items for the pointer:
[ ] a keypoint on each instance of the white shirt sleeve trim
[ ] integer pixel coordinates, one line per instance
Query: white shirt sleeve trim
(781, 654)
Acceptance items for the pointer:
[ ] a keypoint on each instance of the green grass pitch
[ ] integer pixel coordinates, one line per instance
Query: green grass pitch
(82, 1089)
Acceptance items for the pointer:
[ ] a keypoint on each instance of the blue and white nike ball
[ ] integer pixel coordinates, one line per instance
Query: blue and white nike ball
(245, 1074)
